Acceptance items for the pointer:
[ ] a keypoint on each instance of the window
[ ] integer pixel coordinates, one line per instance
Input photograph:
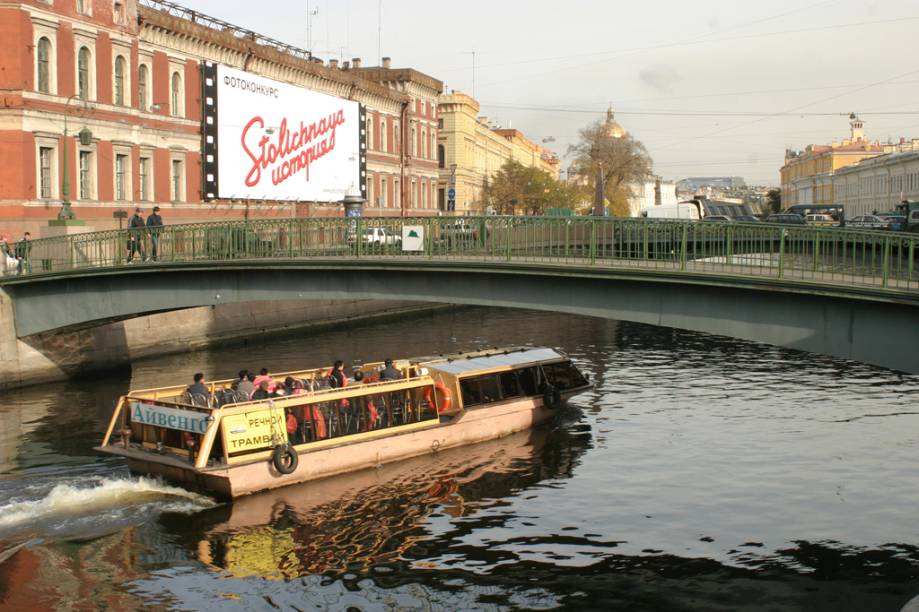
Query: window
(369, 133)
(175, 94)
(441, 156)
(529, 381)
(370, 181)
(440, 124)
(45, 155)
(142, 87)
(508, 382)
(412, 145)
(424, 144)
(121, 177)
(44, 65)
(83, 7)
(412, 195)
(119, 80)
(144, 168)
(424, 195)
(472, 395)
(564, 375)
(383, 124)
(395, 136)
(83, 62)
(176, 180)
(118, 12)
(86, 165)
(397, 193)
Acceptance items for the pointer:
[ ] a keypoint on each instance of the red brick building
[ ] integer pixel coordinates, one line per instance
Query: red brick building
(123, 78)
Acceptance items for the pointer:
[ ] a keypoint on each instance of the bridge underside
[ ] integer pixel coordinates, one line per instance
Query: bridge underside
(868, 329)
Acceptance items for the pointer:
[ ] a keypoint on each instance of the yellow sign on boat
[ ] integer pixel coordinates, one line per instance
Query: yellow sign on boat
(254, 430)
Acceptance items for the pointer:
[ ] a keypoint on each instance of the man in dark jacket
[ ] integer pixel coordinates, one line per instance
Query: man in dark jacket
(155, 226)
(136, 235)
(389, 372)
(23, 253)
(199, 388)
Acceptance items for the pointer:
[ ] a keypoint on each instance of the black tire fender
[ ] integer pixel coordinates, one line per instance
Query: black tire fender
(285, 459)
(551, 396)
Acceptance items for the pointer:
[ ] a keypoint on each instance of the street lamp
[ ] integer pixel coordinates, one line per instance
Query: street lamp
(66, 213)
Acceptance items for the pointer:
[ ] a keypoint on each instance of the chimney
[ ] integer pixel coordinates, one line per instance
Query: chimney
(346, 65)
(333, 64)
(356, 62)
(387, 62)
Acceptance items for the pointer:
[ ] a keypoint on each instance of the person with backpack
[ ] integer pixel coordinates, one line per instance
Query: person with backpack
(155, 227)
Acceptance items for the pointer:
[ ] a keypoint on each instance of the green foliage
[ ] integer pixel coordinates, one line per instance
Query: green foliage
(520, 190)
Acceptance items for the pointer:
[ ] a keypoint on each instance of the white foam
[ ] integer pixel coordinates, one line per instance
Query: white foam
(66, 500)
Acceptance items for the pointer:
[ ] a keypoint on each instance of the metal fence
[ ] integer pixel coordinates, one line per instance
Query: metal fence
(827, 256)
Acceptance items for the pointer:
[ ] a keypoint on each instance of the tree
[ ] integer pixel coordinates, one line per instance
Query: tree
(623, 161)
(518, 189)
(774, 199)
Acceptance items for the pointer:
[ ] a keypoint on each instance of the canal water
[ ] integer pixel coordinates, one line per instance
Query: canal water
(701, 473)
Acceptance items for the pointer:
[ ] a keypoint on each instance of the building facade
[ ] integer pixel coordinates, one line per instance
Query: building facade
(107, 95)
(878, 184)
(807, 176)
(471, 151)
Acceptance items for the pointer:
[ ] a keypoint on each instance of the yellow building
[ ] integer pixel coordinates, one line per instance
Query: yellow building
(807, 176)
(471, 149)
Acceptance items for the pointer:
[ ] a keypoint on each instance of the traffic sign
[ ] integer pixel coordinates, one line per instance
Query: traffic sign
(451, 193)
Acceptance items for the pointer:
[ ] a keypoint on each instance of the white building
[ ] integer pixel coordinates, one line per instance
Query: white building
(878, 183)
(652, 192)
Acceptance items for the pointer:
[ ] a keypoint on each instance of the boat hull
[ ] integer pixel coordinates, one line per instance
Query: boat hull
(471, 426)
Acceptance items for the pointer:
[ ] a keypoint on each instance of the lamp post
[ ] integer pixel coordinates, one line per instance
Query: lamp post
(66, 215)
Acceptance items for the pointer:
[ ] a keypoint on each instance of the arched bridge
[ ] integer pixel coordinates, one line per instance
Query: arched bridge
(847, 293)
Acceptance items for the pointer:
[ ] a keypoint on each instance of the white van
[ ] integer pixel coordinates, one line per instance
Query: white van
(683, 210)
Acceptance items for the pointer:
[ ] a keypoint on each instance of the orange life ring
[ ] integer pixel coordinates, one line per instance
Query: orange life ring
(443, 392)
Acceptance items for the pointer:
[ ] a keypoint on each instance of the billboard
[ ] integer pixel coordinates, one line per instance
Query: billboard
(268, 140)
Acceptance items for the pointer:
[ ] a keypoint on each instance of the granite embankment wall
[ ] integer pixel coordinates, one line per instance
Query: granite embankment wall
(61, 355)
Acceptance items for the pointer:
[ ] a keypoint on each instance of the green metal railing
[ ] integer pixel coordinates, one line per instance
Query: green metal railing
(826, 256)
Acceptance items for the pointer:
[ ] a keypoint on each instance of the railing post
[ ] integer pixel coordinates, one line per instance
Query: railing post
(885, 266)
(567, 238)
(816, 255)
(912, 254)
(645, 253)
(358, 235)
(507, 238)
(684, 244)
(429, 238)
(729, 246)
(290, 238)
(782, 233)
(593, 241)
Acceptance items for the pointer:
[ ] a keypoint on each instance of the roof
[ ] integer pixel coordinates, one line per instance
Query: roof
(458, 367)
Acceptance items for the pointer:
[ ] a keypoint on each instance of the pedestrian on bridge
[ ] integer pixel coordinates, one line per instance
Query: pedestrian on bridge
(24, 254)
(136, 235)
(154, 226)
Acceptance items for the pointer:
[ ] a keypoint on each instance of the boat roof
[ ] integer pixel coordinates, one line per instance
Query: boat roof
(461, 365)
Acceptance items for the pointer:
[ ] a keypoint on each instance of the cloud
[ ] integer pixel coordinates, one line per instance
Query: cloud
(661, 78)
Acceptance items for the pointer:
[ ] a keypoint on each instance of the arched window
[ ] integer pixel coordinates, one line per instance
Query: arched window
(44, 65)
(83, 73)
(142, 87)
(175, 91)
(119, 80)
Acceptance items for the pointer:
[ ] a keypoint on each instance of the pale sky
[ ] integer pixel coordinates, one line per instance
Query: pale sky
(733, 82)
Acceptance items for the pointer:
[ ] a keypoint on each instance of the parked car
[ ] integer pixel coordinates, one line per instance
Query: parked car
(786, 219)
(458, 232)
(380, 236)
(819, 219)
(720, 218)
(868, 222)
(895, 223)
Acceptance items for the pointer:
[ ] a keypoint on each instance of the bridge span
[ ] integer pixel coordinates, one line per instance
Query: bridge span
(833, 291)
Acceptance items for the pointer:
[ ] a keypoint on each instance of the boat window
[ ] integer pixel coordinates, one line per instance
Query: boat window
(564, 375)
(509, 386)
(472, 395)
(529, 381)
(490, 391)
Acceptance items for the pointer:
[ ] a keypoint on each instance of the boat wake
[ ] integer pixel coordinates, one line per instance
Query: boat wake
(84, 507)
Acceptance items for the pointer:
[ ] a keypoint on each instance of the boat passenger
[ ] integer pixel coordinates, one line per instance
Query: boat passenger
(337, 378)
(389, 372)
(245, 385)
(293, 426)
(262, 392)
(263, 375)
(199, 388)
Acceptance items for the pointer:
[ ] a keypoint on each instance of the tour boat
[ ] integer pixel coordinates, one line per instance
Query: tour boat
(228, 445)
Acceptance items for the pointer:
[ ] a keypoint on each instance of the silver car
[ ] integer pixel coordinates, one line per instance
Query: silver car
(868, 222)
